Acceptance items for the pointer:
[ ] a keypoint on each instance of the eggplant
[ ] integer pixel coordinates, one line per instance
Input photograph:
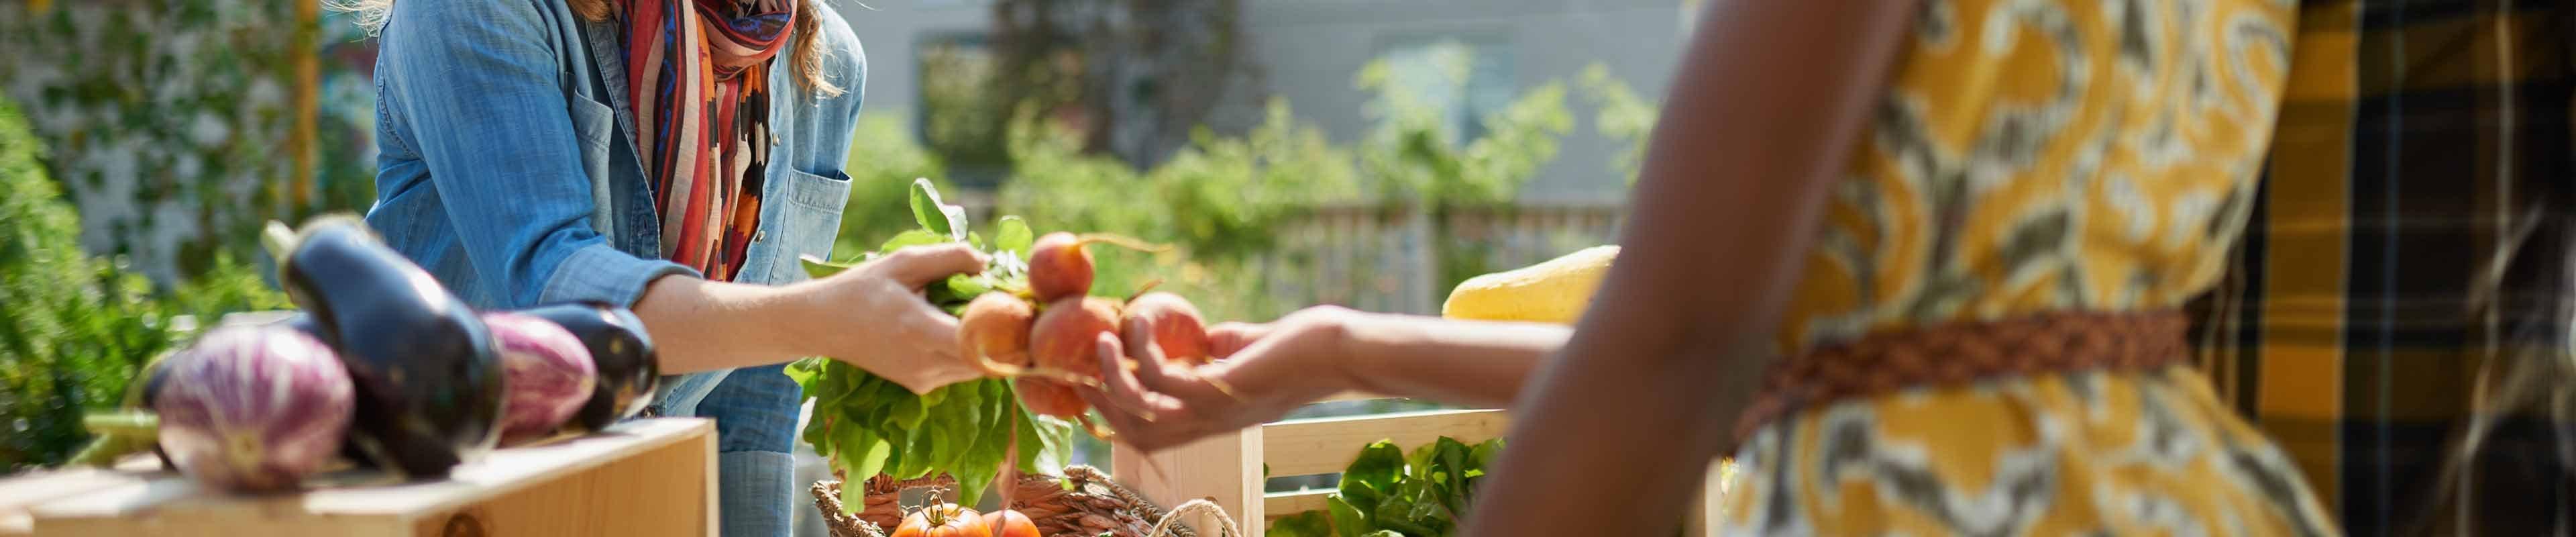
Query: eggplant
(622, 353)
(430, 386)
(253, 408)
(303, 322)
(550, 375)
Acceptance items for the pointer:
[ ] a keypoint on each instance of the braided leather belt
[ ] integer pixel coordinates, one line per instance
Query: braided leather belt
(1960, 353)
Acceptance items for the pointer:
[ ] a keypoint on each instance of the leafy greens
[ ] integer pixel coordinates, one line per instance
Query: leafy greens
(868, 425)
(1387, 493)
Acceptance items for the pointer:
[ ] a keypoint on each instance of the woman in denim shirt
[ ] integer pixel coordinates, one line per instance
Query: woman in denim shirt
(672, 156)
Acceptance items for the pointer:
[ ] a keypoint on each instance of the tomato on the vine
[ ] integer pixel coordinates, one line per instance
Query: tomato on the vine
(943, 520)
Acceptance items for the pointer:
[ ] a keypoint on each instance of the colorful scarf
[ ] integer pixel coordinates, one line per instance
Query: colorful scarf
(698, 74)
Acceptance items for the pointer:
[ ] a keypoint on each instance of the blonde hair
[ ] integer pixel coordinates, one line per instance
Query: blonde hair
(808, 60)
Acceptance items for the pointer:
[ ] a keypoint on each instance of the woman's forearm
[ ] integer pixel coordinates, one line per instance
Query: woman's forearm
(1758, 121)
(1472, 363)
(872, 316)
(701, 325)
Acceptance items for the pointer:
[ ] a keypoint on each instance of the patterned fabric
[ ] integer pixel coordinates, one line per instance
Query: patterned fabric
(2412, 234)
(2085, 454)
(701, 95)
(2036, 156)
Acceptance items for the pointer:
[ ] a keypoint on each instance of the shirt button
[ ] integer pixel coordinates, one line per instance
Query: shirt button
(758, 236)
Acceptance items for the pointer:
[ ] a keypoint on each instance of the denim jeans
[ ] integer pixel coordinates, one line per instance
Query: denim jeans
(755, 412)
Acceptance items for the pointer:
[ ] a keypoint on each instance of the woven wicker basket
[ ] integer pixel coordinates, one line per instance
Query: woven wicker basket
(1082, 503)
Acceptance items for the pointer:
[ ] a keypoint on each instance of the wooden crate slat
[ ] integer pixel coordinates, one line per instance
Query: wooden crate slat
(1225, 468)
(1326, 445)
(611, 501)
(544, 476)
(21, 492)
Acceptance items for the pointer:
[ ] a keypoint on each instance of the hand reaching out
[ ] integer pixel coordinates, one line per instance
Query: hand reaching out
(1263, 371)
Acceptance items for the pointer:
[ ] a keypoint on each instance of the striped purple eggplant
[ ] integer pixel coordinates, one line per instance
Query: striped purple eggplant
(620, 351)
(549, 374)
(253, 408)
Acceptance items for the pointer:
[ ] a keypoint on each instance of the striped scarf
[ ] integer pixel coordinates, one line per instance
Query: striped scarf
(700, 86)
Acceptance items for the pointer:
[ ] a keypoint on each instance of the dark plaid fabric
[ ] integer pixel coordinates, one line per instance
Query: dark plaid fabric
(2412, 234)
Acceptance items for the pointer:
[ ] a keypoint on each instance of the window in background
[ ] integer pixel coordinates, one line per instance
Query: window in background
(1458, 80)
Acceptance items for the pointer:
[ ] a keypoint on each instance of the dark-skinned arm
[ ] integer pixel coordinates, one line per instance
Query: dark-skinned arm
(1759, 123)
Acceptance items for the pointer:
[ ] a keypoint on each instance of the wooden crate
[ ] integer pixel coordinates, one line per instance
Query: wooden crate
(1228, 468)
(644, 477)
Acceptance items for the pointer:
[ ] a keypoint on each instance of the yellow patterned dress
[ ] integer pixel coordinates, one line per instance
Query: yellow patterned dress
(2037, 156)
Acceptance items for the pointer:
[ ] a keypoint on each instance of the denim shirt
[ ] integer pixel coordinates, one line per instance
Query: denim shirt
(508, 170)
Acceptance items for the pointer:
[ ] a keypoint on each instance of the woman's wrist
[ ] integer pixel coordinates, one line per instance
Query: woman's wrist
(1351, 349)
(800, 316)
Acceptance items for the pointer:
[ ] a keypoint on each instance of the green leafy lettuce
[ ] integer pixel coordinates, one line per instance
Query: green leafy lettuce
(1388, 493)
(868, 425)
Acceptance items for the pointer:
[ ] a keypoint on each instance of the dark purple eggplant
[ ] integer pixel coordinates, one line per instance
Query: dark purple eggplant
(429, 381)
(628, 369)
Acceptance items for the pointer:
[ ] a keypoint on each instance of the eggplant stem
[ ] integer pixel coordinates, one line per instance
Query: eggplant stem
(134, 390)
(132, 423)
(279, 239)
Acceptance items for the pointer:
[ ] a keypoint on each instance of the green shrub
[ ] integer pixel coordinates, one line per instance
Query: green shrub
(883, 161)
(74, 328)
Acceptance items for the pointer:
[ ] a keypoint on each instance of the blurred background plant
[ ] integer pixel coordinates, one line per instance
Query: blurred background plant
(76, 327)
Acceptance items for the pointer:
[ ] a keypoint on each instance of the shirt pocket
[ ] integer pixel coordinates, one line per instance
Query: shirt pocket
(594, 124)
(806, 222)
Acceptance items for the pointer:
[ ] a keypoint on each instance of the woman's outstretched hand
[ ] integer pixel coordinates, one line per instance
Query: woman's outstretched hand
(1263, 372)
(874, 316)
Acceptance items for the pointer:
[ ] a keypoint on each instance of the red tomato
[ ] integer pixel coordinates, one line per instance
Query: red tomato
(943, 520)
(1010, 523)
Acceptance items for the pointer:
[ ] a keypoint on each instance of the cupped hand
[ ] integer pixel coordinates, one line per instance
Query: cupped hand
(1262, 372)
(882, 323)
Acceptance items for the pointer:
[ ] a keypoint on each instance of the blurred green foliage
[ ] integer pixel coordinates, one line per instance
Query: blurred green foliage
(1223, 200)
(1624, 117)
(74, 329)
(1418, 156)
(963, 119)
(883, 161)
(1219, 201)
(166, 122)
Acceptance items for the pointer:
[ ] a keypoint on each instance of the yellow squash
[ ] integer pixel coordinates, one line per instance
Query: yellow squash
(1554, 291)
